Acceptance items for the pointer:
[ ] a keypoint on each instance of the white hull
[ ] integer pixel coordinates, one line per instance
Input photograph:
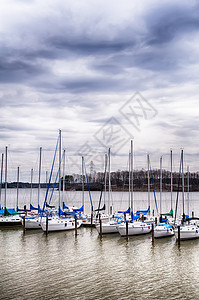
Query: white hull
(135, 228)
(161, 231)
(95, 221)
(59, 224)
(188, 232)
(108, 227)
(10, 221)
(32, 223)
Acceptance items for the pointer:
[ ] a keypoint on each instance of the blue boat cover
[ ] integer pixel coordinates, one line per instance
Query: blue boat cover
(33, 208)
(133, 217)
(64, 206)
(125, 211)
(143, 212)
(79, 209)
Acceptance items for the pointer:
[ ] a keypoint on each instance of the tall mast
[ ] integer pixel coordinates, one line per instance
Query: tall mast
(63, 176)
(40, 151)
(188, 190)
(46, 179)
(160, 185)
(31, 179)
(131, 176)
(17, 188)
(109, 179)
(6, 166)
(183, 183)
(148, 175)
(82, 181)
(59, 170)
(1, 177)
(171, 179)
(129, 179)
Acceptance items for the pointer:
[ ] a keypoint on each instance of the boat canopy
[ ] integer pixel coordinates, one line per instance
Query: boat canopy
(143, 212)
(169, 213)
(64, 206)
(79, 209)
(8, 212)
(134, 217)
(124, 211)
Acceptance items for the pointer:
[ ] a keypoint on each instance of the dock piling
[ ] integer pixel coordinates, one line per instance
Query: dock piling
(24, 224)
(100, 222)
(152, 234)
(46, 225)
(127, 230)
(75, 226)
(178, 235)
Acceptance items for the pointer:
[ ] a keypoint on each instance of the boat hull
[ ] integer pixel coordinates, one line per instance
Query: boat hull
(135, 228)
(107, 228)
(59, 224)
(187, 233)
(163, 231)
(9, 221)
(32, 223)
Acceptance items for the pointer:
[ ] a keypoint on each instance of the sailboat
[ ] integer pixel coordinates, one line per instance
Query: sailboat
(135, 227)
(111, 225)
(162, 229)
(8, 217)
(60, 221)
(191, 230)
(33, 222)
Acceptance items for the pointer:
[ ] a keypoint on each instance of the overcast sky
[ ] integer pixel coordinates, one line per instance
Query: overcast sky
(103, 72)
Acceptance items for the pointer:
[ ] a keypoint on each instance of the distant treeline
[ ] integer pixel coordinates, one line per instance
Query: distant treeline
(26, 185)
(120, 181)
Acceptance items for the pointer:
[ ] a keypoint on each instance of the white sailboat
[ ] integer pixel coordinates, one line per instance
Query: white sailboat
(9, 217)
(111, 225)
(187, 231)
(59, 222)
(134, 227)
(33, 222)
(162, 229)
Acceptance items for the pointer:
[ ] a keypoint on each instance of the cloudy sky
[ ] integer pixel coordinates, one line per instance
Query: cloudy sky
(103, 72)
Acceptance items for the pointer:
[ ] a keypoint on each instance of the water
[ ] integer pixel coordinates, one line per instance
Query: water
(62, 266)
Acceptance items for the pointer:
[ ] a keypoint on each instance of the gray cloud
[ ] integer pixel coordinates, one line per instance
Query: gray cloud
(72, 66)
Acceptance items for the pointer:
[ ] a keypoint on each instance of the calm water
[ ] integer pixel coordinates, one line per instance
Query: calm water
(62, 266)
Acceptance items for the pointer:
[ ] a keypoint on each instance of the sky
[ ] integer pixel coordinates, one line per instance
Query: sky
(104, 72)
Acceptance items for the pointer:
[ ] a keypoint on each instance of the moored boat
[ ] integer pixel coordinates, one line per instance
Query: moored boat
(134, 228)
(56, 223)
(163, 230)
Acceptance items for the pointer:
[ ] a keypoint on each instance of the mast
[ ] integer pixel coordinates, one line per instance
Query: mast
(1, 177)
(109, 179)
(6, 166)
(171, 179)
(63, 176)
(148, 175)
(46, 179)
(129, 179)
(160, 185)
(59, 170)
(188, 190)
(131, 210)
(17, 188)
(40, 151)
(82, 181)
(31, 179)
(182, 158)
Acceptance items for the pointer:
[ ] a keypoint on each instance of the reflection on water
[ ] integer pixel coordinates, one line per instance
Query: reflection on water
(62, 266)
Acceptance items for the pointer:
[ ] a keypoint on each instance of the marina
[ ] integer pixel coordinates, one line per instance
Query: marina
(62, 265)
